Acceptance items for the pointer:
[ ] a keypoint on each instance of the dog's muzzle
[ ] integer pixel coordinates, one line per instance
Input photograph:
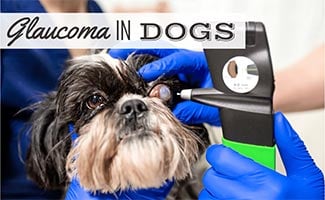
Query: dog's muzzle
(132, 111)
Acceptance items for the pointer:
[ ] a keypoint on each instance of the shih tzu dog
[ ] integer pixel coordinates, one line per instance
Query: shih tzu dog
(128, 137)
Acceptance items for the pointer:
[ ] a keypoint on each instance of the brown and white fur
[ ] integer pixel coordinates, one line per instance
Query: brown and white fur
(128, 137)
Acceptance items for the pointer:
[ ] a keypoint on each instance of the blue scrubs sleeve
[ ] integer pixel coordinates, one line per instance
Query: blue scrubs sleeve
(26, 74)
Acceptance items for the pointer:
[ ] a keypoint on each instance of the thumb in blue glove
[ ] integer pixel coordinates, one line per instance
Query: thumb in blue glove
(233, 176)
(189, 112)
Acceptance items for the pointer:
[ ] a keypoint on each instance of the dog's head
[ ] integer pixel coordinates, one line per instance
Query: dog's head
(128, 138)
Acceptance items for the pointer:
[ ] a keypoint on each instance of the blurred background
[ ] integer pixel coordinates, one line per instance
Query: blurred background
(294, 28)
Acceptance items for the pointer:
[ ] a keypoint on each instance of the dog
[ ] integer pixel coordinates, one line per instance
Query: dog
(128, 137)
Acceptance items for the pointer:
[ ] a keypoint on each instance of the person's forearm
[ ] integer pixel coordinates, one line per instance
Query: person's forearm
(64, 6)
(301, 86)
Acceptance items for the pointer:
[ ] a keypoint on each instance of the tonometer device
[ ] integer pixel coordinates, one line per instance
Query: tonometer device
(243, 90)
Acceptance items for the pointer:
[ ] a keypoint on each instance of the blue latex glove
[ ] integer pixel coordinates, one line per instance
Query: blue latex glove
(233, 176)
(190, 67)
(75, 191)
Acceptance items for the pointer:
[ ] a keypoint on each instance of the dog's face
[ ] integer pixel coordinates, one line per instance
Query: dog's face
(128, 137)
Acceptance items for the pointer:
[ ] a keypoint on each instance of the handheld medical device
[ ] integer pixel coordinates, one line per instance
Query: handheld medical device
(243, 90)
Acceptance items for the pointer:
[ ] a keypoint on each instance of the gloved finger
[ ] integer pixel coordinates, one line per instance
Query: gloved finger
(124, 53)
(227, 162)
(152, 193)
(222, 187)
(294, 154)
(179, 62)
(75, 191)
(189, 112)
(205, 195)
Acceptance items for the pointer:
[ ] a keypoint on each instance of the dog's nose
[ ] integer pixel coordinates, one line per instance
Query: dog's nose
(133, 108)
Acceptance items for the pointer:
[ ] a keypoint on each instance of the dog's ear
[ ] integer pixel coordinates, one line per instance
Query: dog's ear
(49, 145)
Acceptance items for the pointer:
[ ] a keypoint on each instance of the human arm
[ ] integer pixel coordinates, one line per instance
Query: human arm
(301, 86)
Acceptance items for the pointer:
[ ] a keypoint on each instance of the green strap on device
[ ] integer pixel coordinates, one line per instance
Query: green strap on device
(264, 155)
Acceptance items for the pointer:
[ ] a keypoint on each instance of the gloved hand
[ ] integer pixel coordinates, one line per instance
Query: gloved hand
(233, 176)
(190, 67)
(75, 191)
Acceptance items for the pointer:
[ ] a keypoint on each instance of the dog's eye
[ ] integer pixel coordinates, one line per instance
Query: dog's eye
(95, 101)
(161, 91)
